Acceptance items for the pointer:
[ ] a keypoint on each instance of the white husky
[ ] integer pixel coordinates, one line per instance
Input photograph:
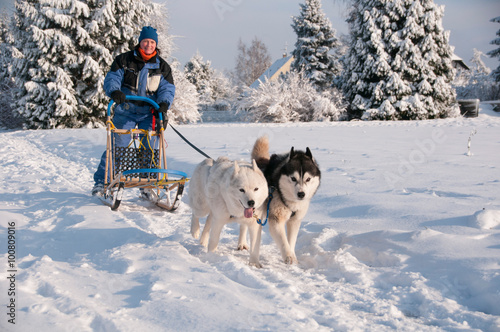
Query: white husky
(228, 191)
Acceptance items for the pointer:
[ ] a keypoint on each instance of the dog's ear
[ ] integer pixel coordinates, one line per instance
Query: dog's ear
(254, 164)
(236, 168)
(308, 153)
(292, 152)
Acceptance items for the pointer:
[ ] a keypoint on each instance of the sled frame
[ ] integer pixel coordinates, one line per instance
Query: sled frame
(163, 187)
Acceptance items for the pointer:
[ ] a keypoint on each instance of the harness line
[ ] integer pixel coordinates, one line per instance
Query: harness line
(189, 143)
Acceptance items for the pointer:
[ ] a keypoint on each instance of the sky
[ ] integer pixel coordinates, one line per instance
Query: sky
(214, 27)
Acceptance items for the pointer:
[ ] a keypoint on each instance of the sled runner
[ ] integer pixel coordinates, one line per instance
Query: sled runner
(142, 164)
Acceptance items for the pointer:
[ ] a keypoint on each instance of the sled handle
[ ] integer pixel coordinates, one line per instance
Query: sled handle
(137, 98)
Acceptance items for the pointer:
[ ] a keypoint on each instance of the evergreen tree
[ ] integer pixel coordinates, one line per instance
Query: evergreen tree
(113, 27)
(8, 119)
(316, 48)
(116, 24)
(496, 53)
(64, 49)
(185, 106)
(200, 74)
(399, 61)
(5, 52)
(46, 92)
(210, 84)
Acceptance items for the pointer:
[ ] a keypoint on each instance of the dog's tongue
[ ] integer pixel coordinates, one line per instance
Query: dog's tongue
(248, 212)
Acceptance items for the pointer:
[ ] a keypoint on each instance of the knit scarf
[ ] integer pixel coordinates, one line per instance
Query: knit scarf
(145, 56)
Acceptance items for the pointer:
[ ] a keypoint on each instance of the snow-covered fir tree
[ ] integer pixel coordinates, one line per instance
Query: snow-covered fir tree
(46, 95)
(291, 98)
(399, 61)
(211, 85)
(316, 50)
(184, 109)
(5, 50)
(199, 73)
(116, 24)
(65, 48)
(496, 53)
(8, 119)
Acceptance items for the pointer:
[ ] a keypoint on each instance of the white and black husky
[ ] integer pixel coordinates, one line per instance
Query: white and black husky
(295, 178)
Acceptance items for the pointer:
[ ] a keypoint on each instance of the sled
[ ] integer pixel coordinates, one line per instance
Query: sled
(141, 165)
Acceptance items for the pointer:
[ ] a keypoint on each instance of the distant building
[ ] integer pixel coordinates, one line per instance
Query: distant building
(280, 66)
(458, 63)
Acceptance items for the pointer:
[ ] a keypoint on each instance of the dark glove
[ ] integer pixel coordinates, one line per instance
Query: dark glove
(118, 97)
(163, 110)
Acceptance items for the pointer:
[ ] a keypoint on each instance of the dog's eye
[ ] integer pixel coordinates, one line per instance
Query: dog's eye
(308, 179)
(293, 179)
(256, 189)
(242, 190)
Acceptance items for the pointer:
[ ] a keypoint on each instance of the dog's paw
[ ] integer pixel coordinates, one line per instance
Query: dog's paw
(289, 260)
(204, 242)
(204, 239)
(256, 264)
(243, 246)
(195, 229)
(211, 245)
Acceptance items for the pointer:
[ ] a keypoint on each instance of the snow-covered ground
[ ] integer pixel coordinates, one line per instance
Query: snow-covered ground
(403, 235)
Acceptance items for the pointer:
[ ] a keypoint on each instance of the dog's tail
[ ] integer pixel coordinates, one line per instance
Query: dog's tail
(260, 152)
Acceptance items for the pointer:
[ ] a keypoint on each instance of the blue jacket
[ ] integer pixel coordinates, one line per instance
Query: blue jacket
(133, 76)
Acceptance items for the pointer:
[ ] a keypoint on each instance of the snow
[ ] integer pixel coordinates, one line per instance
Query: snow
(403, 235)
(485, 219)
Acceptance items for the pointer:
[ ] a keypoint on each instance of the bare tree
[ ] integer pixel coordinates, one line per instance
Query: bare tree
(251, 62)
